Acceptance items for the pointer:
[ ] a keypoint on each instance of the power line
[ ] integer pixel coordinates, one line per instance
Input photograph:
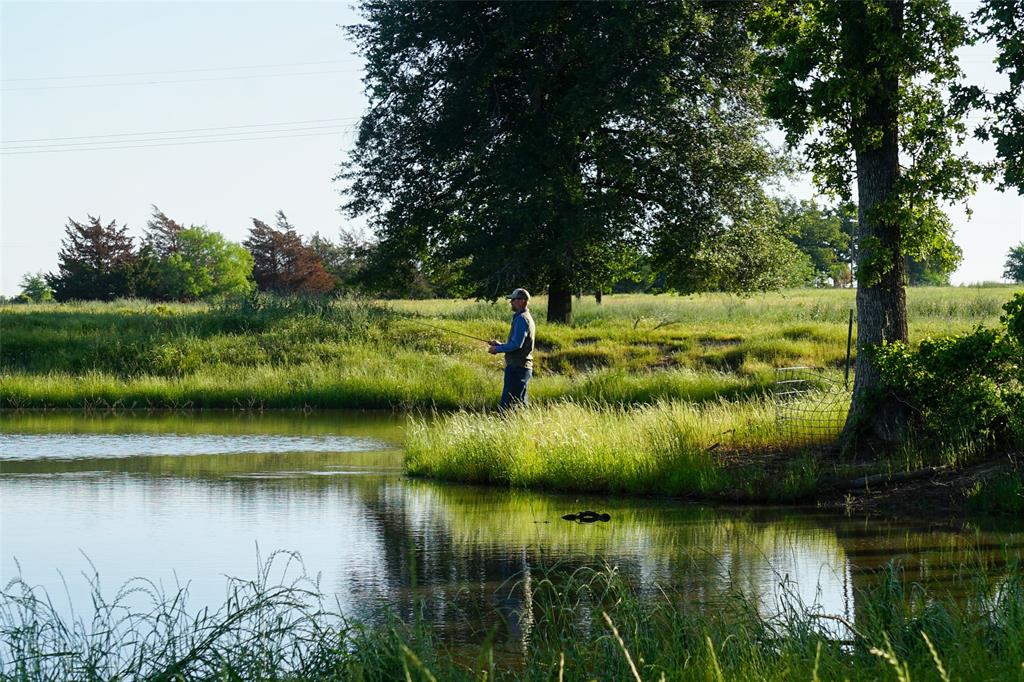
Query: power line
(163, 73)
(183, 80)
(159, 137)
(182, 130)
(183, 143)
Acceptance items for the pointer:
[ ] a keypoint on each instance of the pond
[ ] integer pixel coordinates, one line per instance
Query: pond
(192, 498)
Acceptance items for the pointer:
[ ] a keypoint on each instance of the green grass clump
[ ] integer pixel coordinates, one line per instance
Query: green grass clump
(583, 624)
(999, 494)
(673, 448)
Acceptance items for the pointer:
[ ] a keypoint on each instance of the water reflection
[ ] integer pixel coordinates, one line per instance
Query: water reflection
(376, 538)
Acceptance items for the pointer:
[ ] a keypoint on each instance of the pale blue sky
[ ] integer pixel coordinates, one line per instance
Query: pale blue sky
(72, 70)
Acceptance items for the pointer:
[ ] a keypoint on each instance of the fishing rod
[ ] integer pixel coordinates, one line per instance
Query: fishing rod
(450, 331)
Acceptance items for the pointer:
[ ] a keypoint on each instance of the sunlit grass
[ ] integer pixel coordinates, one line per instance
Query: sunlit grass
(632, 349)
(671, 448)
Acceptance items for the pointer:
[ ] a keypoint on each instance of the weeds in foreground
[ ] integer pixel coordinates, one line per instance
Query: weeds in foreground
(585, 624)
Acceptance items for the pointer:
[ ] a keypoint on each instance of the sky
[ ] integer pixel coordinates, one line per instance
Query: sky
(220, 112)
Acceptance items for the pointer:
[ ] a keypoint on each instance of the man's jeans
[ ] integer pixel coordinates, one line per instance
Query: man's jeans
(514, 391)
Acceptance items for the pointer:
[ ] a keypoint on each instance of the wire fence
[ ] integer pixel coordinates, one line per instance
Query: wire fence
(810, 407)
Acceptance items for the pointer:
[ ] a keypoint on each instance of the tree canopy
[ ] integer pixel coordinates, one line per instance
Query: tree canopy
(824, 234)
(35, 289)
(1002, 22)
(178, 263)
(1015, 263)
(552, 144)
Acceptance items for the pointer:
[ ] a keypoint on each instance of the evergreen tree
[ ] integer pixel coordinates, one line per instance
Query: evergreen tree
(549, 144)
(162, 234)
(96, 262)
(345, 260)
(282, 263)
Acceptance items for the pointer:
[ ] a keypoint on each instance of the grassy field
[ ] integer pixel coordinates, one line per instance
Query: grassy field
(587, 624)
(271, 353)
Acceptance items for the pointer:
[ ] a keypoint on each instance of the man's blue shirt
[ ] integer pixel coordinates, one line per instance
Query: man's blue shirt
(516, 335)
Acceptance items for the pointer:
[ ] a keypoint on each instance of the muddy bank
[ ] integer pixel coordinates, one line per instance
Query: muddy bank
(987, 488)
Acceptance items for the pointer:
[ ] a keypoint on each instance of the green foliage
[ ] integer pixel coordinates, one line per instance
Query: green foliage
(743, 257)
(34, 288)
(1015, 264)
(824, 234)
(549, 145)
(999, 21)
(814, 59)
(346, 260)
(966, 388)
(934, 271)
(1000, 494)
(204, 265)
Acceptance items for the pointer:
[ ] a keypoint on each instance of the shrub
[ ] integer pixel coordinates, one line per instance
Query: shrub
(964, 388)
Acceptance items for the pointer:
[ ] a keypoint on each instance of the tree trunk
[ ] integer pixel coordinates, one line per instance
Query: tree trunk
(875, 420)
(598, 295)
(559, 302)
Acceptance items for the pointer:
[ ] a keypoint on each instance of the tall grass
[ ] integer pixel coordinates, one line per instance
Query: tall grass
(589, 623)
(673, 448)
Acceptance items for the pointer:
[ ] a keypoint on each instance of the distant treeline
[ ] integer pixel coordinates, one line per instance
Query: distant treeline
(173, 262)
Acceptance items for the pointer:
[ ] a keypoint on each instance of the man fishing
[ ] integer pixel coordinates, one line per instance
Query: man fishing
(518, 351)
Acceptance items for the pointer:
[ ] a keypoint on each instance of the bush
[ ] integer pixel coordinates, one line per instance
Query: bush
(965, 388)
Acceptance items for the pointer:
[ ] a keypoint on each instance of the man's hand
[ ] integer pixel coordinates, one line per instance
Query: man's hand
(492, 347)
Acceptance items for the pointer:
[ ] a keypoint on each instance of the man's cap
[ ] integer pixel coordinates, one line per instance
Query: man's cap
(519, 293)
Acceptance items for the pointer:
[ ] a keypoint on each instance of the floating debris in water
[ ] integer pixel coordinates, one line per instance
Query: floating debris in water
(587, 517)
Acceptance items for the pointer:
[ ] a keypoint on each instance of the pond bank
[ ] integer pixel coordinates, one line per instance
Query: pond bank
(717, 452)
(993, 486)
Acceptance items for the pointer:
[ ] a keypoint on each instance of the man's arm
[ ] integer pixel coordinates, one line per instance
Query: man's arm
(516, 336)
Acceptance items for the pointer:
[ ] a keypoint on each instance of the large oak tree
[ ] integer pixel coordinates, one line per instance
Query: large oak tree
(865, 86)
(551, 144)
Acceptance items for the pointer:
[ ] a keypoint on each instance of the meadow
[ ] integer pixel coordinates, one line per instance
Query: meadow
(264, 353)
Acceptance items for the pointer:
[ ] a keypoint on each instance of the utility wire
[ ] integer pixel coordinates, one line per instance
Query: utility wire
(164, 73)
(222, 135)
(184, 80)
(163, 144)
(182, 130)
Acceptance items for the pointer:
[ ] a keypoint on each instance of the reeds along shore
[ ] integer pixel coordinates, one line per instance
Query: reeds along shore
(588, 624)
(265, 352)
(673, 448)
